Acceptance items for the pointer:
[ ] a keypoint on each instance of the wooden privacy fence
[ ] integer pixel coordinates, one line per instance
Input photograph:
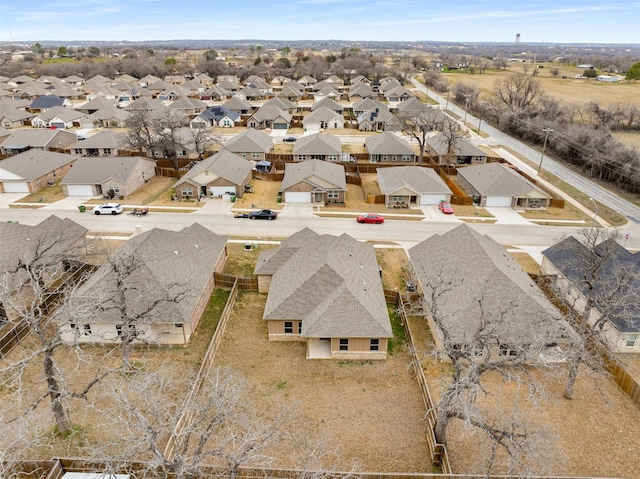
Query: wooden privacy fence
(187, 416)
(623, 379)
(228, 281)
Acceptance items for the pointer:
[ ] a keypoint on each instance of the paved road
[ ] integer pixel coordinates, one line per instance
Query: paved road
(631, 211)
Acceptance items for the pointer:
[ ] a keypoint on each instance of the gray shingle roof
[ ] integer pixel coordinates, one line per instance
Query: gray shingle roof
(317, 172)
(496, 179)
(388, 144)
(223, 164)
(96, 170)
(250, 141)
(316, 143)
(171, 271)
(33, 164)
(322, 114)
(423, 181)
(332, 284)
(465, 268)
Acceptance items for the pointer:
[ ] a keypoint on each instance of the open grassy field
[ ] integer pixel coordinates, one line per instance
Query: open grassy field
(568, 90)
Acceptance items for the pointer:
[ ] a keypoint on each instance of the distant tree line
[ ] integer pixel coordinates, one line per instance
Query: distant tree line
(581, 134)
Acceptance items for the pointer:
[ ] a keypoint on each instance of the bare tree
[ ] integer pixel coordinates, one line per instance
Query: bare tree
(599, 285)
(43, 276)
(518, 92)
(420, 124)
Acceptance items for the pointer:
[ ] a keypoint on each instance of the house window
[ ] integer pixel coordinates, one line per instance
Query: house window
(534, 201)
(631, 340)
(507, 351)
(397, 199)
(406, 157)
(186, 191)
(375, 158)
(107, 151)
(302, 157)
(244, 155)
(384, 158)
(288, 327)
(374, 344)
(255, 155)
(344, 344)
(114, 188)
(299, 327)
(177, 325)
(86, 329)
(333, 157)
(182, 153)
(74, 327)
(132, 330)
(333, 194)
(77, 151)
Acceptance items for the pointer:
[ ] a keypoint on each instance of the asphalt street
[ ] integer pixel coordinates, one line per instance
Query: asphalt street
(604, 196)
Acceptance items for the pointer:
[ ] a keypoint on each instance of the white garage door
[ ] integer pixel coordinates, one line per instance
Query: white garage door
(59, 125)
(15, 187)
(498, 201)
(297, 197)
(221, 190)
(80, 190)
(432, 199)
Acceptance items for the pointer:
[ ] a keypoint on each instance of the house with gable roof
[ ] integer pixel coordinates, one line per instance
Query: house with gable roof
(36, 139)
(94, 176)
(103, 143)
(412, 185)
(323, 118)
(314, 181)
(495, 184)
(250, 144)
(177, 269)
(215, 116)
(224, 173)
(481, 298)
(325, 290)
(318, 146)
(270, 116)
(32, 170)
(388, 147)
(608, 281)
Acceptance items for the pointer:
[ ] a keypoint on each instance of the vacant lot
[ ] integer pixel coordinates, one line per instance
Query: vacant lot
(595, 434)
(372, 410)
(568, 90)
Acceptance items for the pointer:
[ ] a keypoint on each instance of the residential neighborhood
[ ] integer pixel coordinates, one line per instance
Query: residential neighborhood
(420, 291)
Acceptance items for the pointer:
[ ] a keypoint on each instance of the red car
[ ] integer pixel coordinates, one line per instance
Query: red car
(371, 218)
(446, 208)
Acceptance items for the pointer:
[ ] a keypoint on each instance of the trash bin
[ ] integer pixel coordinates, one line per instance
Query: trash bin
(81, 208)
(233, 199)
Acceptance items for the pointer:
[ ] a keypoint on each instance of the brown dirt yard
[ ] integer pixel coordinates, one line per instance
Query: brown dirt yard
(597, 434)
(373, 410)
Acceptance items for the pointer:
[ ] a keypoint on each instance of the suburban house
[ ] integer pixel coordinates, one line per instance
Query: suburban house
(46, 102)
(378, 119)
(412, 185)
(462, 152)
(314, 181)
(224, 173)
(323, 119)
(57, 243)
(239, 105)
(270, 116)
(32, 170)
(215, 116)
(59, 117)
(36, 139)
(318, 146)
(389, 148)
(477, 296)
(176, 270)
(366, 104)
(325, 290)
(495, 184)
(121, 176)
(250, 144)
(615, 295)
(103, 143)
(329, 103)
(11, 116)
(109, 117)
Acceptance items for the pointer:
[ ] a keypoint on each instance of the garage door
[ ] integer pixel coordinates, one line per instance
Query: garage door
(15, 187)
(280, 126)
(297, 197)
(432, 199)
(80, 190)
(58, 125)
(221, 190)
(498, 201)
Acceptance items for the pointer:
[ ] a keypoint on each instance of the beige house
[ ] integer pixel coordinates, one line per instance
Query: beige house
(32, 170)
(224, 173)
(164, 282)
(250, 144)
(325, 290)
(477, 296)
(314, 181)
(325, 147)
(92, 176)
(389, 148)
(103, 143)
(412, 186)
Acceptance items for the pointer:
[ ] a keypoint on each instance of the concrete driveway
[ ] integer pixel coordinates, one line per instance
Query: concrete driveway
(433, 213)
(506, 215)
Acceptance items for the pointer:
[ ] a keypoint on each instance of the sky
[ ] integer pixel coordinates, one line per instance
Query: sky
(541, 21)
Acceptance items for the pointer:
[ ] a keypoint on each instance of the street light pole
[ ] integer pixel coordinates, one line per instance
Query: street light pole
(546, 135)
(595, 215)
(447, 105)
(466, 105)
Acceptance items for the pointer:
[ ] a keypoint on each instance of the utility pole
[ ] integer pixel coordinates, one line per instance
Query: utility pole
(546, 135)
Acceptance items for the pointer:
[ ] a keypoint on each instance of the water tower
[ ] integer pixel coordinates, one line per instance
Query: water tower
(517, 38)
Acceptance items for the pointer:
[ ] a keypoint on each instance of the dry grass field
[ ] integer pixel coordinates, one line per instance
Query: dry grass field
(568, 90)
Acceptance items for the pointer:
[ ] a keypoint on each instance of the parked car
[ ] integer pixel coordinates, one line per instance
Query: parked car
(289, 139)
(108, 209)
(371, 218)
(263, 215)
(446, 208)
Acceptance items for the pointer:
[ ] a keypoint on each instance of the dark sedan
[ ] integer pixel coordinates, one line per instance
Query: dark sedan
(263, 215)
